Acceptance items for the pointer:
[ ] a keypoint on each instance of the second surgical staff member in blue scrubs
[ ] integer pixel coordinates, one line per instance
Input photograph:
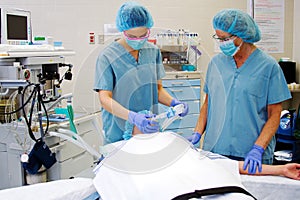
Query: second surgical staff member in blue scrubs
(128, 76)
(244, 89)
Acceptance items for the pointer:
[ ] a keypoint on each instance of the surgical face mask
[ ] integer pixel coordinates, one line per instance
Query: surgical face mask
(136, 44)
(228, 47)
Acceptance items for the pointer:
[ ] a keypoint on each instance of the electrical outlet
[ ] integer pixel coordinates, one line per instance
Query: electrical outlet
(101, 39)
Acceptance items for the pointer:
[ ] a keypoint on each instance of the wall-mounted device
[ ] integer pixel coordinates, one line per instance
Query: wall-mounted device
(15, 25)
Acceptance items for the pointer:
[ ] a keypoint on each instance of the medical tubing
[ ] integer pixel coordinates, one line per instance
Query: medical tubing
(11, 107)
(76, 142)
(175, 115)
(65, 137)
(32, 107)
(59, 100)
(20, 108)
(8, 102)
(41, 125)
(23, 144)
(28, 122)
(78, 137)
(47, 117)
(40, 105)
(168, 121)
(3, 93)
(22, 120)
(24, 113)
(40, 113)
(10, 122)
(165, 124)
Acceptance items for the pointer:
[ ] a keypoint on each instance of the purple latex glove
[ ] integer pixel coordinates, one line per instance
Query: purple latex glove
(253, 159)
(143, 122)
(175, 102)
(195, 138)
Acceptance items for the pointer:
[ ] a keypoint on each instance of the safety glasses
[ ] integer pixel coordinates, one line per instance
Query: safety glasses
(222, 39)
(131, 37)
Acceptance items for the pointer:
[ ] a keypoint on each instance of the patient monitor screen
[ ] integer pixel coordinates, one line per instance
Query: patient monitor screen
(17, 27)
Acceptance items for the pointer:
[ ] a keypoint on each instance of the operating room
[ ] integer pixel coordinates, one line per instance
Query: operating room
(73, 126)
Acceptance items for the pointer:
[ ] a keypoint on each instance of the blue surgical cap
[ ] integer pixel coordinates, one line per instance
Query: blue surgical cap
(132, 15)
(239, 23)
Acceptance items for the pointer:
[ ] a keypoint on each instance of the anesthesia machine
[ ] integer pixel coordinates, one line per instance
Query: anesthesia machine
(41, 139)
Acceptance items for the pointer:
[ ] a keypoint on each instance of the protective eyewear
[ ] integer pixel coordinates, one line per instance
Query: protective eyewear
(222, 39)
(131, 37)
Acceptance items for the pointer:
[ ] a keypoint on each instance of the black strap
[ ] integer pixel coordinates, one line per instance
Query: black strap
(213, 191)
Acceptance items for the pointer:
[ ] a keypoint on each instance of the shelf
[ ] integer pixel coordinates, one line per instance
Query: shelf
(23, 54)
(294, 90)
(173, 48)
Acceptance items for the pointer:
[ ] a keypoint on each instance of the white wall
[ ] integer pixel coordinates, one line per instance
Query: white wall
(70, 21)
(296, 41)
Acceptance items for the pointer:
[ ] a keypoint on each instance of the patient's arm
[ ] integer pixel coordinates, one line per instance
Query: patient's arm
(290, 170)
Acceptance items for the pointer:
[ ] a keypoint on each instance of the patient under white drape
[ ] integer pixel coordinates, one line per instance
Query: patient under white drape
(162, 166)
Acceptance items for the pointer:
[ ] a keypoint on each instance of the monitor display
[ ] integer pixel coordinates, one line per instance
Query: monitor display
(15, 26)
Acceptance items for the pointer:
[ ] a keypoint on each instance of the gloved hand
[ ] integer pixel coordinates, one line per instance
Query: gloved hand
(175, 102)
(195, 138)
(253, 159)
(143, 122)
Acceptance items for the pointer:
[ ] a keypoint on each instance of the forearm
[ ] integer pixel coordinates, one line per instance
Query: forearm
(267, 133)
(276, 170)
(112, 106)
(271, 125)
(201, 123)
(290, 170)
(163, 96)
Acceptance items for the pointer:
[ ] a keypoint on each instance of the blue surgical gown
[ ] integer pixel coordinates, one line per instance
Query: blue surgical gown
(133, 83)
(238, 100)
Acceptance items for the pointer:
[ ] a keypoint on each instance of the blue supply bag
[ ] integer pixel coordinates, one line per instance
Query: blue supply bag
(38, 156)
(289, 124)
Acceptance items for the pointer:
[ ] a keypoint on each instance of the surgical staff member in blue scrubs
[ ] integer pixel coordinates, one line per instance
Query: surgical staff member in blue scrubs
(128, 76)
(244, 89)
